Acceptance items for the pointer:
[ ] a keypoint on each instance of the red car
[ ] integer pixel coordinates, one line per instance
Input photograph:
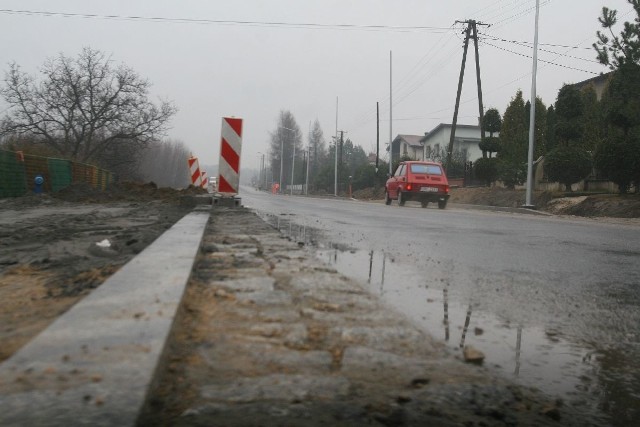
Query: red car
(421, 181)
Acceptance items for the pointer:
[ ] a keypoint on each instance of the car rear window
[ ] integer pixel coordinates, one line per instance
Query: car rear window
(426, 169)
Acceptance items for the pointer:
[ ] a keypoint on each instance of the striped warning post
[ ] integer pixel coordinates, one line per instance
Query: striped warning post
(230, 148)
(194, 171)
(204, 179)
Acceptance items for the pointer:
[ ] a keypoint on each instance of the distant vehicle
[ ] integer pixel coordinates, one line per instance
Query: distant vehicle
(420, 181)
(212, 185)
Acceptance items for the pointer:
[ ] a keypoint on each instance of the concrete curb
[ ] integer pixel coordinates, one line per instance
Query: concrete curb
(93, 366)
(523, 211)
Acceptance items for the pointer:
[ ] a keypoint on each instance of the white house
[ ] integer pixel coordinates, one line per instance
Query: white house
(407, 146)
(467, 140)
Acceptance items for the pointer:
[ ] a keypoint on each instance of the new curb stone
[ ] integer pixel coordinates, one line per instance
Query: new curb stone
(93, 366)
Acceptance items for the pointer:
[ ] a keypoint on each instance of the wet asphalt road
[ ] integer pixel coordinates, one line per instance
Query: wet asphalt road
(553, 302)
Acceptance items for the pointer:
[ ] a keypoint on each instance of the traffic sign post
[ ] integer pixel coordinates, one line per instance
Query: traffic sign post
(229, 165)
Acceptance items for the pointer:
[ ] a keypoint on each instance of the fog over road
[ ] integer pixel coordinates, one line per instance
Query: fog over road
(553, 302)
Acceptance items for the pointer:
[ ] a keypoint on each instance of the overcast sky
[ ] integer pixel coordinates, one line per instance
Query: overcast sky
(256, 68)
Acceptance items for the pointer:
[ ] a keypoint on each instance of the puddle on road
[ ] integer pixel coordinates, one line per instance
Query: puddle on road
(581, 376)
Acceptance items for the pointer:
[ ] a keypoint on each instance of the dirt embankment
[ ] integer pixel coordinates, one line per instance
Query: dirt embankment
(55, 249)
(585, 205)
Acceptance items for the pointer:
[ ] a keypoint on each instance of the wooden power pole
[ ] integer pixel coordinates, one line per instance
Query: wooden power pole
(470, 32)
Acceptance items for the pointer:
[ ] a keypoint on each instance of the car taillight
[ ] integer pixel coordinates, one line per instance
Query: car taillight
(409, 187)
(446, 189)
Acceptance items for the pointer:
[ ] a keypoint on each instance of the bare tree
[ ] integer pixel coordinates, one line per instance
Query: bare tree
(286, 141)
(83, 106)
(165, 163)
(317, 150)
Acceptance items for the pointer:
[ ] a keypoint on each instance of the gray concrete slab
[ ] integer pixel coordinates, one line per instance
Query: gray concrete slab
(220, 200)
(94, 365)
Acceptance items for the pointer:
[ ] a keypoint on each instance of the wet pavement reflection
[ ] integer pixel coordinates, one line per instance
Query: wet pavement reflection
(598, 378)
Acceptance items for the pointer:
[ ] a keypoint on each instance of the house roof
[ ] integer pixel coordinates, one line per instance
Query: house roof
(447, 125)
(602, 78)
(412, 140)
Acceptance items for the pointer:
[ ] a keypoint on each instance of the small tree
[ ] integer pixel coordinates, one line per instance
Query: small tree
(613, 50)
(540, 142)
(365, 177)
(317, 152)
(486, 169)
(594, 124)
(570, 161)
(512, 158)
(286, 141)
(84, 107)
(617, 155)
(550, 135)
(568, 164)
(492, 123)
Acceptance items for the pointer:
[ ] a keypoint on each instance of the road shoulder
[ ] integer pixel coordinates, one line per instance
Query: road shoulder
(268, 335)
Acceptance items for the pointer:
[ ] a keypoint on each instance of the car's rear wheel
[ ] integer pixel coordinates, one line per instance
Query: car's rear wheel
(400, 199)
(442, 204)
(425, 204)
(387, 199)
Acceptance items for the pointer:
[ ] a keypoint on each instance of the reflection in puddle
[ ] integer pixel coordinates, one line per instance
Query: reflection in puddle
(585, 376)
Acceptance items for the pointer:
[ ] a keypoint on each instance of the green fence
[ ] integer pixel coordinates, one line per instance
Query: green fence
(13, 181)
(18, 171)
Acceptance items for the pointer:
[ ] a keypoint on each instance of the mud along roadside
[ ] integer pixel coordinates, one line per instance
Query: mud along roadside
(49, 258)
(268, 335)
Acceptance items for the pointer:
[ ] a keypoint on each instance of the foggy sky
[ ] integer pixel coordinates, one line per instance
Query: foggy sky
(211, 70)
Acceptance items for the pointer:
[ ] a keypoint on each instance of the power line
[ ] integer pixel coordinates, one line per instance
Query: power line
(479, 13)
(531, 43)
(514, 8)
(541, 60)
(527, 45)
(519, 15)
(300, 25)
(411, 82)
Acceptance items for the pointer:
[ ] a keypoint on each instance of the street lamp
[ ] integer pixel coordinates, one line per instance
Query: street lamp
(281, 163)
(263, 170)
(293, 165)
(306, 184)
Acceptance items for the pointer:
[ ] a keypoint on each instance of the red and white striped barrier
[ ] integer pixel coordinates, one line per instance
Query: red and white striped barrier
(194, 171)
(230, 148)
(204, 179)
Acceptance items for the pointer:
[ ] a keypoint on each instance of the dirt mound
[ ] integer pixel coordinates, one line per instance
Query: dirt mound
(369, 194)
(491, 196)
(587, 205)
(609, 205)
(124, 192)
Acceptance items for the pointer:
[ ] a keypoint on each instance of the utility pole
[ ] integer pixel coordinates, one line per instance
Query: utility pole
(335, 170)
(339, 154)
(306, 182)
(471, 29)
(293, 165)
(391, 112)
(280, 185)
(377, 135)
(532, 116)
